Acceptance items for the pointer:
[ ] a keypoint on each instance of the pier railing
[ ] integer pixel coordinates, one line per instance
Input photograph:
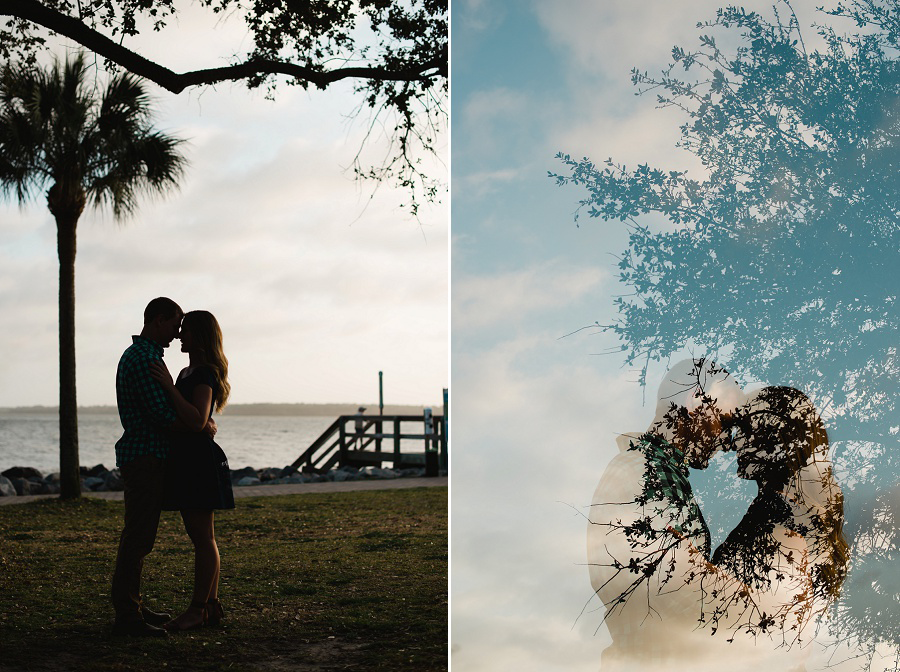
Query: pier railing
(401, 440)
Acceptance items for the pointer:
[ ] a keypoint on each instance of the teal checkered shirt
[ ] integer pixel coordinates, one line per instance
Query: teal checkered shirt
(144, 409)
(666, 480)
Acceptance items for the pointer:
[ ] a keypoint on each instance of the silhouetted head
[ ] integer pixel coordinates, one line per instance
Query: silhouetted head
(779, 430)
(201, 337)
(161, 307)
(695, 402)
(162, 320)
(782, 445)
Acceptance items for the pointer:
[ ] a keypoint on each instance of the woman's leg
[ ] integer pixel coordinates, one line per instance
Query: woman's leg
(214, 586)
(214, 590)
(214, 612)
(199, 526)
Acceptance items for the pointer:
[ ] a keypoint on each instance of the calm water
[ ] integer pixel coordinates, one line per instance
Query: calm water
(248, 440)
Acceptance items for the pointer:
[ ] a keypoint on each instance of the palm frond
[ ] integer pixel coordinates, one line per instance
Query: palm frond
(22, 170)
(55, 128)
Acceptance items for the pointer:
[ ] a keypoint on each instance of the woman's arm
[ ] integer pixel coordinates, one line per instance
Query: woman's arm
(193, 414)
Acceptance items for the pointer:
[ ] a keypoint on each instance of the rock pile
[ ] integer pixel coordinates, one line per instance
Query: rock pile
(251, 476)
(30, 481)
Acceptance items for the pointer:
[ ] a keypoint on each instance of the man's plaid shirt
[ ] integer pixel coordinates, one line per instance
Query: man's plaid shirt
(144, 409)
(666, 480)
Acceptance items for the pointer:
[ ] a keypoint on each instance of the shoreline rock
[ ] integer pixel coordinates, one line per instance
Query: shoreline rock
(18, 481)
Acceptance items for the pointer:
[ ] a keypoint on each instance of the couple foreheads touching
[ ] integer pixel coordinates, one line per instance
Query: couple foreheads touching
(669, 596)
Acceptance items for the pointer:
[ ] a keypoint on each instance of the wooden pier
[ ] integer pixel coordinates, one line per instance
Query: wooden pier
(371, 440)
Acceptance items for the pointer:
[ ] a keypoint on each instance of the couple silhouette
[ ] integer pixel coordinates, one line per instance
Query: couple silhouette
(672, 599)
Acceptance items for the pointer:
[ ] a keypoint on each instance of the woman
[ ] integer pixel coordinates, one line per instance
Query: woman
(197, 475)
(789, 547)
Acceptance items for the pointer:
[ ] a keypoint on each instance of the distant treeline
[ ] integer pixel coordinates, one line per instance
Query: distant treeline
(257, 409)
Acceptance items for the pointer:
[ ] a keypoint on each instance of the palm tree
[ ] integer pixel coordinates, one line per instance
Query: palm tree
(82, 145)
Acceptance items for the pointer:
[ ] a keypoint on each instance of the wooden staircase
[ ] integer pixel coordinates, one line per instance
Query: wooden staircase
(340, 446)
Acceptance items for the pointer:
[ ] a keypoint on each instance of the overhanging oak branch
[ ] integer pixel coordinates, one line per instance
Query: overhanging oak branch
(71, 27)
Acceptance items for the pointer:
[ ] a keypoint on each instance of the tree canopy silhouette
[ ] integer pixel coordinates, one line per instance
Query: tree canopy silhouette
(784, 254)
(395, 53)
(89, 147)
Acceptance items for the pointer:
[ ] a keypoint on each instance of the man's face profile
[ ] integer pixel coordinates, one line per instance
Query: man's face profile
(170, 328)
(699, 431)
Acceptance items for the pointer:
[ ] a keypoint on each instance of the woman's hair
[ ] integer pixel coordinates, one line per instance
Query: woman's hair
(783, 431)
(790, 448)
(207, 338)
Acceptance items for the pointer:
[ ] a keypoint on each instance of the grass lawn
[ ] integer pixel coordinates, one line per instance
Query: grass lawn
(339, 581)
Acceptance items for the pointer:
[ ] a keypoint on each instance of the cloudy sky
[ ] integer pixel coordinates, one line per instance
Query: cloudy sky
(536, 412)
(317, 287)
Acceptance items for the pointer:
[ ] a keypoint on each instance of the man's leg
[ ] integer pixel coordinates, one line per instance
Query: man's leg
(143, 478)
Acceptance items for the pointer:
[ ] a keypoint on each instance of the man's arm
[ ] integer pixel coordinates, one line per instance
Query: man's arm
(152, 398)
(190, 414)
(187, 413)
(210, 429)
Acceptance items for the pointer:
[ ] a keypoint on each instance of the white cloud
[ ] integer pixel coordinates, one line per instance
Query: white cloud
(476, 16)
(487, 117)
(492, 106)
(645, 136)
(504, 300)
(610, 38)
(482, 183)
(535, 443)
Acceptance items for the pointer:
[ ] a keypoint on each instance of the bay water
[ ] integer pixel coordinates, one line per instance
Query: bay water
(32, 439)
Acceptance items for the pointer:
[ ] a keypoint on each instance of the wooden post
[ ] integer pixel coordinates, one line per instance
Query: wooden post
(380, 394)
(396, 442)
(442, 445)
(443, 442)
(428, 428)
(431, 454)
(343, 443)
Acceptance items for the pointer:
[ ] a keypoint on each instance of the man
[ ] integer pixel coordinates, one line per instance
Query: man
(647, 538)
(147, 417)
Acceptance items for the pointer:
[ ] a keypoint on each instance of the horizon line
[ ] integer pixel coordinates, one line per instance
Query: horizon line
(333, 407)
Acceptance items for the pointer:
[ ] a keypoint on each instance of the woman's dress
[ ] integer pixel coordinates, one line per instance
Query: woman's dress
(197, 473)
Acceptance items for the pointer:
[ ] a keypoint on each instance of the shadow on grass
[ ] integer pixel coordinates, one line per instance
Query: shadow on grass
(354, 580)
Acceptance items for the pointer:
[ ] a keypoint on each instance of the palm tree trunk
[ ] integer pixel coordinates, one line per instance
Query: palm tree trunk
(69, 476)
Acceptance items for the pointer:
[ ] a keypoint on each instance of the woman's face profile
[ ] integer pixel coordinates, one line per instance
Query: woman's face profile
(186, 338)
(770, 441)
(760, 453)
(747, 466)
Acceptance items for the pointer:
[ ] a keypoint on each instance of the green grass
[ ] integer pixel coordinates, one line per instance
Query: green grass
(342, 581)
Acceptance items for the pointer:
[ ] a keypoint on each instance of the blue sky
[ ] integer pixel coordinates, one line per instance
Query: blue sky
(535, 416)
(316, 286)
(534, 412)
